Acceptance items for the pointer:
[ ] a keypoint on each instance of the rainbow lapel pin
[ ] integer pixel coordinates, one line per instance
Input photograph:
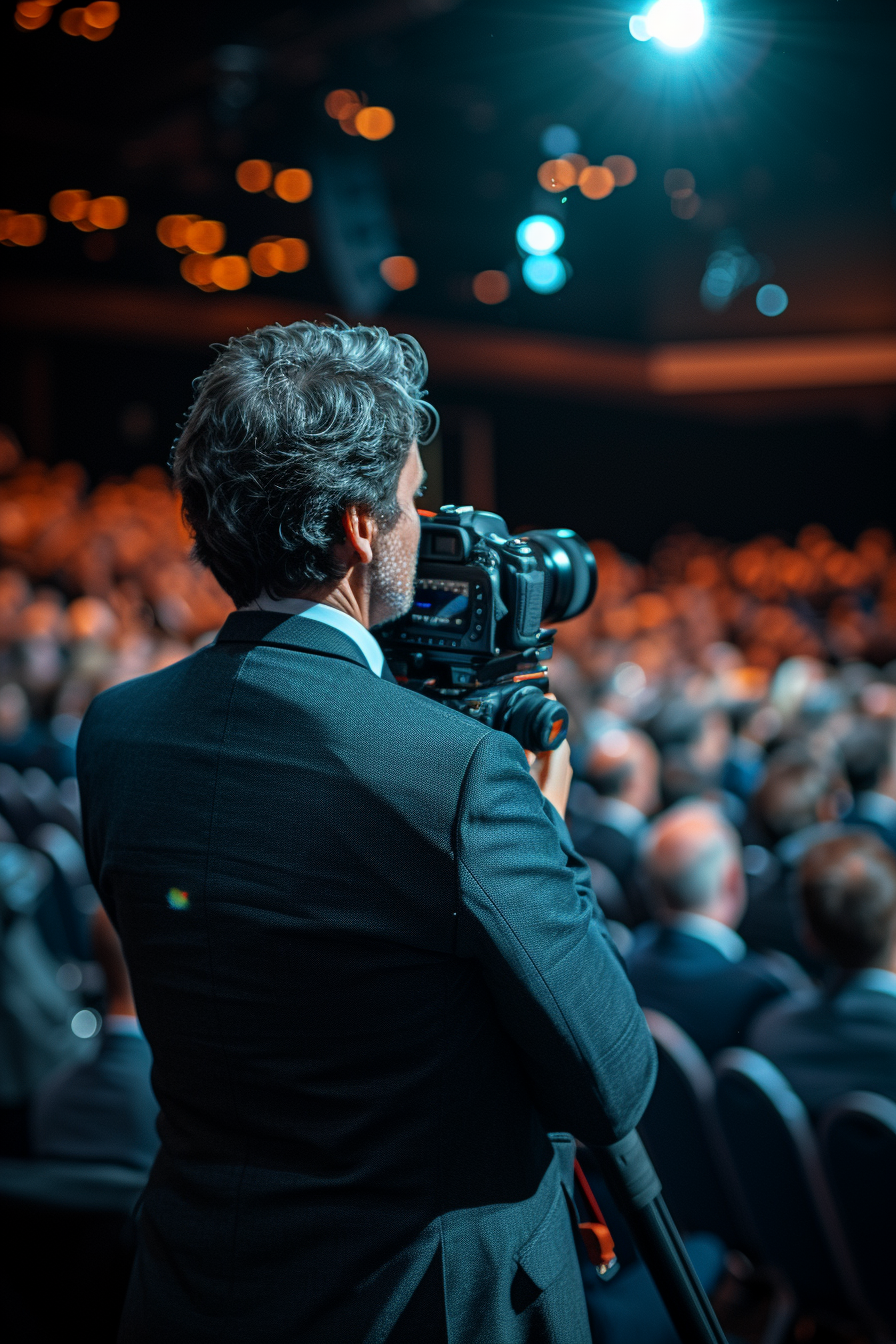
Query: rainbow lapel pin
(177, 899)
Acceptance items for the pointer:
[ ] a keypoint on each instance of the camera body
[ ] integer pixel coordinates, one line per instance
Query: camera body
(473, 637)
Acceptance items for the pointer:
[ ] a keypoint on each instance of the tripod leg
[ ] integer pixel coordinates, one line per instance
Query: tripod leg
(636, 1188)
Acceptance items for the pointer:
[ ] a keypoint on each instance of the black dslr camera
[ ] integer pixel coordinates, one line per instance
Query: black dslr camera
(473, 638)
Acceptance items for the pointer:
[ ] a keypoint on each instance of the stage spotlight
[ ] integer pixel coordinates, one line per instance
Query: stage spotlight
(675, 23)
(771, 300)
(539, 235)
(544, 274)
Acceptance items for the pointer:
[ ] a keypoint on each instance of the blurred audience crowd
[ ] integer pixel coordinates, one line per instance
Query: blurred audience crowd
(732, 719)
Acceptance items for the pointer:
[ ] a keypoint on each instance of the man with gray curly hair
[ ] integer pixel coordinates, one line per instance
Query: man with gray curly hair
(368, 962)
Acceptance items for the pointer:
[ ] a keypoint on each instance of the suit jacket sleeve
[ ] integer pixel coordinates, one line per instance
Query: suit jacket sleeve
(527, 914)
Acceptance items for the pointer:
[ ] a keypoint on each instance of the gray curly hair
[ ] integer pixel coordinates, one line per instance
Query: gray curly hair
(290, 426)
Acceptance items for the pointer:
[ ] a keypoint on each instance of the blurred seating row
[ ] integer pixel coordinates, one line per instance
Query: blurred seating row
(738, 1157)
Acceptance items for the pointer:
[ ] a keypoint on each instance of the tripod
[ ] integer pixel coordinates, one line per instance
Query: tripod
(636, 1188)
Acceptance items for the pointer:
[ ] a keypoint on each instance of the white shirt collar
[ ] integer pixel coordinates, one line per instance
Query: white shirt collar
(339, 620)
(724, 940)
(875, 977)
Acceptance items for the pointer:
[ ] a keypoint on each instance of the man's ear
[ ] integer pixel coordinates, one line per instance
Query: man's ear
(360, 530)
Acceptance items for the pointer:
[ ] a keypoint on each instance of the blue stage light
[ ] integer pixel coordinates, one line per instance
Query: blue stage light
(539, 235)
(771, 300)
(544, 274)
(675, 23)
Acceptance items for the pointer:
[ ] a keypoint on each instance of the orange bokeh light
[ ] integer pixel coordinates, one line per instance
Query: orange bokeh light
(623, 168)
(196, 269)
(30, 15)
(596, 183)
(26, 230)
(578, 161)
(171, 230)
(374, 123)
(70, 205)
(685, 207)
(557, 175)
(399, 272)
(101, 14)
(678, 183)
(341, 103)
(108, 212)
(96, 34)
(205, 236)
(255, 175)
(293, 185)
(231, 272)
(491, 286)
(265, 259)
(294, 252)
(70, 21)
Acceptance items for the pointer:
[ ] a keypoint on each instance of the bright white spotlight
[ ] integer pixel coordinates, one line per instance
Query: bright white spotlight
(539, 235)
(675, 23)
(544, 274)
(637, 26)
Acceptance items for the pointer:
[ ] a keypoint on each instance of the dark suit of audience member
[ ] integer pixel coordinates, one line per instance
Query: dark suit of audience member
(690, 963)
(843, 1038)
(868, 755)
(609, 807)
(103, 1110)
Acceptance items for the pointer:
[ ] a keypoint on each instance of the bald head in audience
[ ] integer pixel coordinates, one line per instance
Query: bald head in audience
(623, 763)
(692, 858)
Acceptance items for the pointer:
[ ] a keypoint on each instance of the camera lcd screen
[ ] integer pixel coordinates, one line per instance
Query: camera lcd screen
(444, 603)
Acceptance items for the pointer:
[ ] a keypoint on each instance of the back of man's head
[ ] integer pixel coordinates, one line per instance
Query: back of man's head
(866, 752)
(692, 858)
(848, 890)
(290, 427)
(623, 763)
(795, 794)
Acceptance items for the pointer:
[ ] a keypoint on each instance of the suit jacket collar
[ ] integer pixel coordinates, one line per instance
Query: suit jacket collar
(283, 631)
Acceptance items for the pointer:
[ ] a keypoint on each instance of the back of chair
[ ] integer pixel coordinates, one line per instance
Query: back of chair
(682, 1132)
(777, 1158)
(858, 1137)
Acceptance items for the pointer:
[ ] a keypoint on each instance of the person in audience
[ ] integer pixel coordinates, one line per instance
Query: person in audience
(103, 1110)
(842, 1038)
(689, 963)
(868, 751)
(609, 807)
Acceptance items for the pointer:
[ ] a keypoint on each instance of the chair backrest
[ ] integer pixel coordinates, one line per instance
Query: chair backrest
(682, 1132)
(779, 1163)
(858, 1140)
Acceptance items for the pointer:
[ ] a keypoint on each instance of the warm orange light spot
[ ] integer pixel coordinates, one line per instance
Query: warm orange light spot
(6, 218)
(27, 230)
(84, 225)
(205, 236)
(196, 269)
(231, 272)
(347, 124)
(623, 168)
(265, 259)
(172, 229)
(30, 21)
(374, 123)
(557, 175)
(596, 183)
(678, 183)
(108, 212)
(101, 14)
(70, 205)
(294, 253)
(341, 103)
(96, 34)
(255, 175)
(70, 21)
(685, 207)
(491, 286)
(578, 161)
(293, 184)
(399, 272)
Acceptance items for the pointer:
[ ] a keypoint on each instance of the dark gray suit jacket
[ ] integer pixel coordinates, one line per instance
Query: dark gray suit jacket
(373, 977)
(827, 1044)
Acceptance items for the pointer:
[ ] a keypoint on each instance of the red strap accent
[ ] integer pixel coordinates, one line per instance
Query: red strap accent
(596, 1235)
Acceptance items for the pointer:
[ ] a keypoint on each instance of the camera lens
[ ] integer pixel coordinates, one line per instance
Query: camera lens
(570, 572)
(537, 723)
